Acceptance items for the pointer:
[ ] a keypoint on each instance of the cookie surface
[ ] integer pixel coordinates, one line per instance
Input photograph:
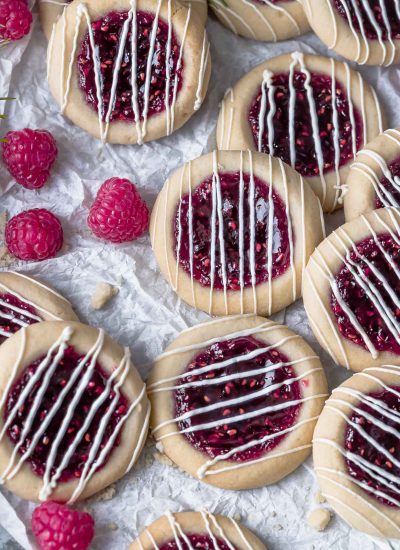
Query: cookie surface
(164, 94)
(211, 232)
(201, 530)
(25, 300)
(373, 181)
(259, 20)
(351, 291)
(357, 451)
(313, 112)
(367, 31)
(235, 401)
(74, 412)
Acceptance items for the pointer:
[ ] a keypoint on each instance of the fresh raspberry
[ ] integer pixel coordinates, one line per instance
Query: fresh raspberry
(15, 19)
(118, 213)
(29, 156)
(34, 235)
(57, 527)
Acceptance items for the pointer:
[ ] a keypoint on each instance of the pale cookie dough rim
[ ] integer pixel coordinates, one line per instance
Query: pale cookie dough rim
(340, 37)
(366, 172)
(296, 444)
(317, 304)
(63, 76)
(162, 530)
(38, 339)
(306, 222)
(233, 129)
(357, 505)
(256, 21)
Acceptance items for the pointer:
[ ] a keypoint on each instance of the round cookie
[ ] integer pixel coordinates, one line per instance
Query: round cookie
(270, 21)
(210, 231)
(25, 300)
(51, 10)
(235, 401)
(367, 31)
(201, 530)
(374, 178)
(311, 111)
(74, 412)
(357, 451)
(351, 291)
(161, 98)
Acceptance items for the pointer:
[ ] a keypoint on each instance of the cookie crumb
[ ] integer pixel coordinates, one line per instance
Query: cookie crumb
(162, 459)
(319, 498)
(160, 447)
(103, 294)
(273, 513)
(319, 519)
(107, 494)
(279, 527)
(237, 517)
(112, 526)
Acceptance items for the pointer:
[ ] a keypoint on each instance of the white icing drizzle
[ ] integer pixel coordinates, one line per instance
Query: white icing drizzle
(228, 93)
(130, 24)
(79, 378)
(163, 385)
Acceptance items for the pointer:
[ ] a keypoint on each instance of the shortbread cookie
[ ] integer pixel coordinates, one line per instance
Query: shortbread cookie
(51, 10)
(312, 112)
(374, 178)
(365, 31)
(200, 530)
(357, 451)
(25, 300)
(170, 57)
(216, 242)
(74, 412)
(351, 291)
(235, 401)
(270, 21)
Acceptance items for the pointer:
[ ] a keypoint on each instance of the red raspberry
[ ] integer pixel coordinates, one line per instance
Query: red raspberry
(15, 19)
(57, 527)
(118, 213)
(34, 235)
(29, 156)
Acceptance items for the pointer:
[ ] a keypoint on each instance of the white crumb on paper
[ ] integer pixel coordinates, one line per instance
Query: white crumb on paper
(103, 293)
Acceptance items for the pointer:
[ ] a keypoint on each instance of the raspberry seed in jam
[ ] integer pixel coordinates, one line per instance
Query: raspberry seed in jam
(200, 542)
(15, 314)
(390, 193)
(370, 17)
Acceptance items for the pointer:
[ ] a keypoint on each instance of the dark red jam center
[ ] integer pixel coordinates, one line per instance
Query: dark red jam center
(202, 209)
(392, 197)
(357, 300)
(59, 380)
(107, 35)
(358, 444)
(306, 156)
(376, 18)
(9, 325)
(200, 542)
(227, 436)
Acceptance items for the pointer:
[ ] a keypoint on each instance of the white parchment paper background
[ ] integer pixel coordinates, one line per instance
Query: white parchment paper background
(147, 315)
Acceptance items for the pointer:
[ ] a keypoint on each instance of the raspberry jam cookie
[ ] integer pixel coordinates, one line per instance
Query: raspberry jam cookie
(374, 177)
(235, 401)
(365, 31)
(357, 451)
(312, 112)
(25, 301)
(351, 291)
(270, 21)
(161, 42)
(233, 230)
(74, 412)
(200, 530)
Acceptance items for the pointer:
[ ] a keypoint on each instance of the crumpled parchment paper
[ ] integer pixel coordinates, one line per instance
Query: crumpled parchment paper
(146, 314)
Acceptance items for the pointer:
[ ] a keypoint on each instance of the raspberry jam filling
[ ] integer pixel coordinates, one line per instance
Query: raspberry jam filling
(233, 384)
(369, 23)
(392, 197)
(306, 157)
(358, 444)
(200, 218)
(14, 314)
(357, 300)
(60, 378)
(107, 34)
(200, 542)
